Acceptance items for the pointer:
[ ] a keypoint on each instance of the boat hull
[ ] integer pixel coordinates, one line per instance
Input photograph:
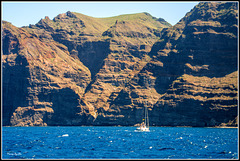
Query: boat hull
(143, 129)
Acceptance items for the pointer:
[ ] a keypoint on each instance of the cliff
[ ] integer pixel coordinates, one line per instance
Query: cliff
(81, 70)
(39, 78)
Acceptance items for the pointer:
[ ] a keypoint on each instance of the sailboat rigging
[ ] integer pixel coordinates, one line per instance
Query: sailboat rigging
(144, 125)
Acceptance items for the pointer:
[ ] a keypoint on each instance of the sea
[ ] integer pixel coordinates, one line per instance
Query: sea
(99, 142)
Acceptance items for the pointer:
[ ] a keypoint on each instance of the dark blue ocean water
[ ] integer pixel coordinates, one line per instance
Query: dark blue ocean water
(119, 143)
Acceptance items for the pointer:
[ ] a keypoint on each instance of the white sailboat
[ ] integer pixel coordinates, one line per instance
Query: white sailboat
(144, 125)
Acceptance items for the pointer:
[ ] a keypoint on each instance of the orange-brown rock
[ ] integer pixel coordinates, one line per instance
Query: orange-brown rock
(40, 75)
(191, 78)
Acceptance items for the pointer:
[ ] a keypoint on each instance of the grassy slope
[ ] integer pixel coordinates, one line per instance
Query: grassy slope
(102, 24)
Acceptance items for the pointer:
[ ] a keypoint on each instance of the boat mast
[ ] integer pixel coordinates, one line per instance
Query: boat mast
(146, 120)
(145, 117)
(147, 124)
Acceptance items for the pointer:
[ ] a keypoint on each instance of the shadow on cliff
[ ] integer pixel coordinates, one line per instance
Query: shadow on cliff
(92, 54)
(65, 103)
(207, 54)
(15, 85)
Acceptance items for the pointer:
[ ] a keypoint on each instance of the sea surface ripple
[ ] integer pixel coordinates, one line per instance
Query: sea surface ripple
(119, 143)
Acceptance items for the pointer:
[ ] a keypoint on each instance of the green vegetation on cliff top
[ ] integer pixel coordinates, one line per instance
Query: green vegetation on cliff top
(144, 18)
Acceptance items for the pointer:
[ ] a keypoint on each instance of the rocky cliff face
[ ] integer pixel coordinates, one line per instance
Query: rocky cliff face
(80, 70)
(183, 84)
(40, 78)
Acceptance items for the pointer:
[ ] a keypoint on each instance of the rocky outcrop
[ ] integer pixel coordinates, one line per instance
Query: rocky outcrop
(129, 42)
(198, 101)
(39, 78)
(184, 82)
(80, 70)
